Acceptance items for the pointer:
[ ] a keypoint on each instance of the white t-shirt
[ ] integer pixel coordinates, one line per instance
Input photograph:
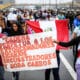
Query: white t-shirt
(77, 31)
(12, 16)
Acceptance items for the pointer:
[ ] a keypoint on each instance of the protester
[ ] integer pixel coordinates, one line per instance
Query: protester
(19, 19)
(55, 71)
(25, 16)
(70, 16)
(61, 15)
(2, 27)
(5, 29)
(24, 27)
(76, 32)
(16, 30)
(1, 64)
(70, 43)
(76, 21)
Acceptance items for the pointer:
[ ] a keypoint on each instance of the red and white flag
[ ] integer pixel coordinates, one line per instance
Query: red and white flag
(59, 27)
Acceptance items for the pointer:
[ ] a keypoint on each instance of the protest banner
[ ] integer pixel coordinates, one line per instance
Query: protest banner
(29, 52)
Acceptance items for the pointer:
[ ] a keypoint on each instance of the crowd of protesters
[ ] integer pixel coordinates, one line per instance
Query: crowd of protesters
(25, 14)
(12, 23)
(8, 17)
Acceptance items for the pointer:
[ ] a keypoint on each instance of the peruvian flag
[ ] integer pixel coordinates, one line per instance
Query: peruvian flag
(59, 27)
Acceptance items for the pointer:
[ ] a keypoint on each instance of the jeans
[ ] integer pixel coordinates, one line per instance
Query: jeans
(1, 73)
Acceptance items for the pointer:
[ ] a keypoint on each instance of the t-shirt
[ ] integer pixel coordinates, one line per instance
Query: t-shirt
(12, 16)
(77, 31)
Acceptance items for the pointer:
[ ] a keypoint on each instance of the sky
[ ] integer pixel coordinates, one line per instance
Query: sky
(40, 1)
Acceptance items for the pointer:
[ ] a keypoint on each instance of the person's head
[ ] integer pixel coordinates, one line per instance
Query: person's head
(1, 13)
(25, 15)
(23, 24)
(2, 22)
(18, 17)
(24, 27)
(15, 26)
(78, 16)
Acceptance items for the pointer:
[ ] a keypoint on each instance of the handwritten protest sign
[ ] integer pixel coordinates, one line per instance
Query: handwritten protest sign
(29, 52)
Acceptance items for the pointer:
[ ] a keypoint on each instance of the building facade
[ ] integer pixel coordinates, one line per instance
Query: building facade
(6, 1)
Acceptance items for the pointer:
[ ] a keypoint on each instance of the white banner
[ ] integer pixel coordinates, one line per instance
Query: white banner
(29, 52)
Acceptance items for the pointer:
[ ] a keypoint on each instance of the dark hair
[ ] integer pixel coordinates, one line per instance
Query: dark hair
(18, 25)
(77, 14)
(23, 22)
(14, 22)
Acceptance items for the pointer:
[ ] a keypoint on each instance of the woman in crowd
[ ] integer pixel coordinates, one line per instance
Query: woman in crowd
(70, 43)
(24, 27)
(16, 30)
